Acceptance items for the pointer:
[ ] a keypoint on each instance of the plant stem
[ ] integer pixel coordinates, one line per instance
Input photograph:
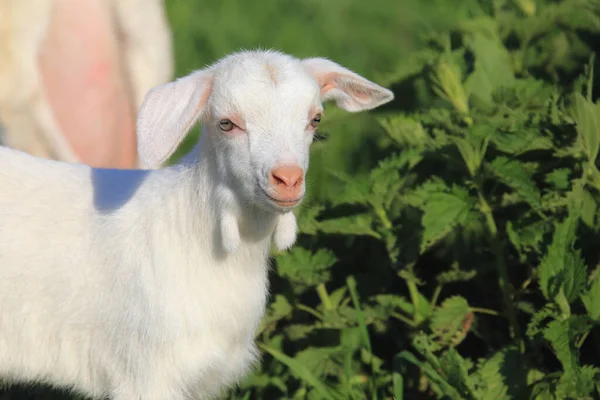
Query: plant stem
(404, 319)
(380, 212)
(502, 270)
(590, 83)
(311, 311)
(324, 296)
(527, 282)
(436, 294)
(414, 296)
(484, 311)
(582, 339)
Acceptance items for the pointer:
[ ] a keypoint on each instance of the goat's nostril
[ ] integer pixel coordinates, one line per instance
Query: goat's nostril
(279, 180)
(289, 176)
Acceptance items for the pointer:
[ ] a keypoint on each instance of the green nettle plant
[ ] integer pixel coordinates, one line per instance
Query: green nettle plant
(464, 265)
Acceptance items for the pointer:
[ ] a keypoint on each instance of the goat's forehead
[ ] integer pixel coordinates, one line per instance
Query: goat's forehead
(264, 86)
(267, 66)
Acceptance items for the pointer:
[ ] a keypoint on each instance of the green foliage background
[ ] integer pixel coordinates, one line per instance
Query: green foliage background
(449, 248)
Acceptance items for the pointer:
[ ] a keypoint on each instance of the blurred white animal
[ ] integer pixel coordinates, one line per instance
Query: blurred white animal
(150, 284)
(73, 74)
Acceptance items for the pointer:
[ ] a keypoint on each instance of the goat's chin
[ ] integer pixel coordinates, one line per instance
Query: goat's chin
(285, 209)
(269, 204)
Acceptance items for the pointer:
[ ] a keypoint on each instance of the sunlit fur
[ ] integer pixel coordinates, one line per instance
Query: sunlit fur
(150, 284)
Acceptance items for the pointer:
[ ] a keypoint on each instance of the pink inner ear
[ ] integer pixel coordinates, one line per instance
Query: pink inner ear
(336, 80)
(359, 92)
(327, 81)
(326, 87)
(201, 104)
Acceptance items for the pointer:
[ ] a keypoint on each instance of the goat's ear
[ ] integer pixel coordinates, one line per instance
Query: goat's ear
(168, 112)
(350, 91)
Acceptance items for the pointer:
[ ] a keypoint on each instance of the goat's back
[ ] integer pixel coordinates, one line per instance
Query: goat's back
(47, 300)
(39, 199)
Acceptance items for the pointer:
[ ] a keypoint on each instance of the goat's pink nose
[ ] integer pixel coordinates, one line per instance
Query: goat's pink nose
(287, 179)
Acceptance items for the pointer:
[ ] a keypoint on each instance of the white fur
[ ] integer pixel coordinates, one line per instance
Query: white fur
(285, 231)
(150, 284)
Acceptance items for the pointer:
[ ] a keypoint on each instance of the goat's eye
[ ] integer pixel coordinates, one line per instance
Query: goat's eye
(225, 125)
(316, 121)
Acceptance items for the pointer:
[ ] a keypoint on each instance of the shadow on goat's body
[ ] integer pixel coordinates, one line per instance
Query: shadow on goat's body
(113, 188)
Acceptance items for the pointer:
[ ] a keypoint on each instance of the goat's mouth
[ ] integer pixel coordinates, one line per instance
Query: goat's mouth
(282, 202)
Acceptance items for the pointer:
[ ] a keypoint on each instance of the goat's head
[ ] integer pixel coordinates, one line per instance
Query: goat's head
(260, 110)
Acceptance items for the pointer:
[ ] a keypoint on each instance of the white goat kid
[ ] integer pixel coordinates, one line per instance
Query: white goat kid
(151, 284)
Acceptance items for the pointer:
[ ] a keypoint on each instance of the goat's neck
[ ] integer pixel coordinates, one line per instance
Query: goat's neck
(218, 200)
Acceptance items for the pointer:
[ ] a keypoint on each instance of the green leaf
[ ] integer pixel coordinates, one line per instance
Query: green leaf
(411, 66)
(360, 224)
(442, 213)
(561, 334)
(534, 375)
(531, 235)
(302, 371)
(419, 196)
(319, 360)
(524, 94)
(544, 391)
(587, 117)
(502, 376)
(351, 282)
(422, 307)
(255, 380)
(305, 267)
(589, 376)
(299, 331)
(425, 347)
(573, 276)
(591, 299)
(451, 321)
(405, 131)
(512, 174)
(472, 149)
(391, 302)
(431, 367)
(560, 337)
(492, 384)
(513, 236)
(337, 296)
(559, 178)
(386, 179)
(397, 378)
(455, 274)
(279, 309)
(355, 190)
(562, 267)
(520, 141)
(537, 323)
(588, 209)
(307, 220)
(455, 371)
(447, 79)
(493, 66)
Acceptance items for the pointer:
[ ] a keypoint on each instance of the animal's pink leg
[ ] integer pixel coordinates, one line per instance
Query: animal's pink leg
(85, 83)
